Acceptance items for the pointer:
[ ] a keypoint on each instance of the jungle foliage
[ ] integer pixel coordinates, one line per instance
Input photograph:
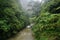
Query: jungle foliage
(47, 26)
(12, 19)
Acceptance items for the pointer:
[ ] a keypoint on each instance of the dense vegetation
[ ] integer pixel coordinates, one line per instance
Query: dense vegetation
(12, 19)
(47, 26)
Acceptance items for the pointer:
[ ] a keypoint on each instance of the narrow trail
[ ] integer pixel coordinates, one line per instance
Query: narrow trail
(25, 34)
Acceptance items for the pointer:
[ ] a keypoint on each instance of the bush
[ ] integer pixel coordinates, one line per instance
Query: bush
(47, 26)
(10, 18)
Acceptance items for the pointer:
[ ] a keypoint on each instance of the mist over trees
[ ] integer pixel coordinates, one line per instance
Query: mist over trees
(31, 7)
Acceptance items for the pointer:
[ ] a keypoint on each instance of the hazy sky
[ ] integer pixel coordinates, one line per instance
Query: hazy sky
(25, 2)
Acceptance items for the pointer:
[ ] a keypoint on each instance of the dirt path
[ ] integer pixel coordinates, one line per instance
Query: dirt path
(25, 34)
